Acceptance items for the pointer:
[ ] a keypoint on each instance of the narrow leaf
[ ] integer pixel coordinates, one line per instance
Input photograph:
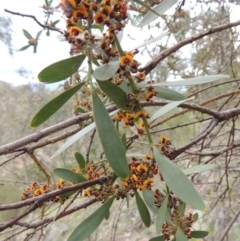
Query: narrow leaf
(177, 181)
(89, 225)
(76, 137)
(61, 70)
(182, 208)
(195, 217)
(193, 81)
(161, 215)
(148, 197)
(69, 175)
(159, 238)
(143, 210)
(80, 160)
(168, 94)
(105, 72)
(111, 142)
(124, 141)
(180, 236)
(198, 169)
(114, 92)
(24, 47)
(27, 34)
(160, 9)
(166, 108)
(54, 105)
(199, 234)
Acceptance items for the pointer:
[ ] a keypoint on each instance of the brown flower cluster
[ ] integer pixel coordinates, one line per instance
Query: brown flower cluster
(36, 189)
(169, 229)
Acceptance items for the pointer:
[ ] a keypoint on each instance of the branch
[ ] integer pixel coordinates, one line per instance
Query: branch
(61, 215)
(36, 202)
(13, 146)
(35, 19)
(152, 64)
(45, 197)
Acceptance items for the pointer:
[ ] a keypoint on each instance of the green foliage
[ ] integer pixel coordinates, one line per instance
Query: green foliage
(161, 215)
(114, 92)
(80, 160)
(69, 175)
(148, 197)
(105, 72)
(199, 234)
(111, 142)
(143, 210)
(61, 70)
(90, 224)
(177, 181)
(54, 105)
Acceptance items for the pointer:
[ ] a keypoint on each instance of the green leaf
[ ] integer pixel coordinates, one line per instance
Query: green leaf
(143, 210)
(148, 196)
(168, 94)
(160, 9)
(195, 217)
(124, 141)
(166, 108)
(67, 195)
(114, 92)
(27, 34)
(61, 70)
(54, 105)
(161, 215)
(69, 175)
(198, 169)
(177, 181)
(107, 215)
(80, 160)
(111, 142)
(80, 110)
(24, 47)
(199, 234)
(48, 33)
(159, 238)
(193, 81)
(89, 225)
(105, 72)
(182, 208)
(76, 137)
(180, 236)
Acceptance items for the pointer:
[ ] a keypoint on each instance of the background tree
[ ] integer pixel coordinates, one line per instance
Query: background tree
(200, 135)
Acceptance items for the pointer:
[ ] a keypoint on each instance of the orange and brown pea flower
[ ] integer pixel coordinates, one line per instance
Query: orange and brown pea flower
(99, 18)
(38, 192)
(75, 31)
(126, 59)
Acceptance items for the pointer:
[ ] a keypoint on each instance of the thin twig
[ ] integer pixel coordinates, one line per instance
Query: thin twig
(35, 19)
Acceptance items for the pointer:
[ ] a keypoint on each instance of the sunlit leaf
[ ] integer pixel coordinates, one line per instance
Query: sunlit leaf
(105, 72)
(54, 105)
(76, 137)
(198, 169)
(148, 196)
(111, 142)
(193, 81)
(180, 236)
(69, 175)
(161, 215)
(159, 238)
(166, 108)
(160, 9)
(114, 92)
(24, 47)
(61, 70)
(143, 210)
(89, 225)
(80, 160)
(168, 94)
(27, 34)
(177, 181)
(199, 234)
